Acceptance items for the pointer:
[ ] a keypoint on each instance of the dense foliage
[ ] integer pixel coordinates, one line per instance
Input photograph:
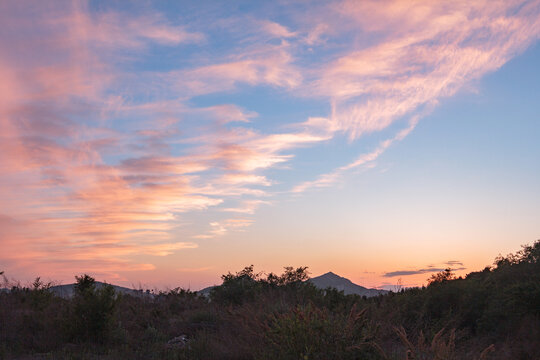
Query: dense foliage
(490, 314)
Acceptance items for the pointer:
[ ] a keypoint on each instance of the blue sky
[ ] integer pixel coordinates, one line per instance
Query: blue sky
(170, 142)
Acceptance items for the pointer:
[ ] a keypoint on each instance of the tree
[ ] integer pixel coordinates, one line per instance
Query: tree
(289, 276)
(246, 284)
(40, 295)
(236, 288)
(529, 254)
(441, 277)
(84, 284)
(93, 309)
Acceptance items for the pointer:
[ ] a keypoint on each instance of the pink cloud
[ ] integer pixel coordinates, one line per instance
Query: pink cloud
(116, 30)
(230, 113)
(220, 228)
(429, 51)
(247, 206)
(314, 35)
(276, 29)
(269, 64)
(55, 180)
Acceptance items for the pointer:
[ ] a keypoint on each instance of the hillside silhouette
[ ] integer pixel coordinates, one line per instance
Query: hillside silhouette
(331, 280)
(489, 314)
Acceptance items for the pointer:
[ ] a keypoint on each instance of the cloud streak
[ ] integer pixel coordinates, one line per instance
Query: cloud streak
(419, 271)
(367, 159)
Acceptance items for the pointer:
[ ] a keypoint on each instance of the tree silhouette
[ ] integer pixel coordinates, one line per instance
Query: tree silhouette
(93, 309)
(441, 277)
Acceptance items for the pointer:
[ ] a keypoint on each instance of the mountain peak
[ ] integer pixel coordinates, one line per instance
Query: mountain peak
(330, 274)
(340, 283)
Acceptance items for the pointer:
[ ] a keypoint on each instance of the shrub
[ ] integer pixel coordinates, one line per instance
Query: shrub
(237, 288)
(310, 332)
(40, 296)
(93, 310)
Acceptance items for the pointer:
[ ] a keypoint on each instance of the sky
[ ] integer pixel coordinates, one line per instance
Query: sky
(165, 143)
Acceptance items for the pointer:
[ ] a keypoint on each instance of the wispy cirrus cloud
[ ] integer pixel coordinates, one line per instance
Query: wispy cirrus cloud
(247, 206)
(276, 29)
(428, 51)
(267, 65)
(329, 179)
(220, 228)
(116, 30)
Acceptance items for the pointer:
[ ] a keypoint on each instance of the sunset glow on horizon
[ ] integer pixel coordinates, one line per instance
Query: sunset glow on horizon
(163, 144)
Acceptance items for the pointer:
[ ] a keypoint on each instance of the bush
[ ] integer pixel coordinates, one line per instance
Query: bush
(310, 332)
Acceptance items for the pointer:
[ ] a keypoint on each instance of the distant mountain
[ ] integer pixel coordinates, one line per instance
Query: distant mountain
(206, 291)
(342, 284)
(322, 282)
(66, 291)
(325, 281)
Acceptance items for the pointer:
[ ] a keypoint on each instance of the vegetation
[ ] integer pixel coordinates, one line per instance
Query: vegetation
(93, 310)
(490, 314)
